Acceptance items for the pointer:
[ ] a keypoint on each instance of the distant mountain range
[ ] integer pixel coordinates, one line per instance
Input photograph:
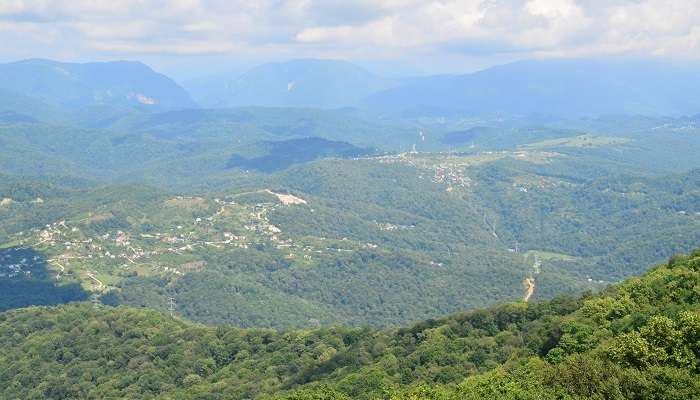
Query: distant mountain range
(561, 87)
(295, 83)
(546, 88)
(73, 86)
(556, 87)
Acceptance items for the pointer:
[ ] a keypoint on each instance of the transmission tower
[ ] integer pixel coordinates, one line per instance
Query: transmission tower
(95, 300)
(171, 306)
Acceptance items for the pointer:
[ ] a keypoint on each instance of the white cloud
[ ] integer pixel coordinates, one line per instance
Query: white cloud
(180, 48)
(350, 28)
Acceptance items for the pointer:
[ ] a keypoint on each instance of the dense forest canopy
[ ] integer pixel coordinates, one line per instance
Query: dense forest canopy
(638, 340)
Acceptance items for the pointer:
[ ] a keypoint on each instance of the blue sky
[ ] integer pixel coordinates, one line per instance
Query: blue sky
(187, 37)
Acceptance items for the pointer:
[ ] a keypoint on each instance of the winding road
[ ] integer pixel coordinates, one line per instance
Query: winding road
(99, 285)
(530, 281)
(530, 288)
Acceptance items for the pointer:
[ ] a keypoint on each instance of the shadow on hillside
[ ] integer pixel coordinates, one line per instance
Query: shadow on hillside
(25, 281)
(283, 154)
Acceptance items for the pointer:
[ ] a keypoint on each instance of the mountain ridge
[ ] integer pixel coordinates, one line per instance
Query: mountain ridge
(75, 85)
(321, 83)
(573, 87)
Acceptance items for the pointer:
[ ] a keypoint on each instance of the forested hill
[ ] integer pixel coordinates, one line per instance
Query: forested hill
(76, 86)
(637, 340)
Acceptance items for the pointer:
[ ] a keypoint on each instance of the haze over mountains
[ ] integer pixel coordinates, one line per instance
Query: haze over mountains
(295, 83)
(337, 137)
(350, 200)
(566, 87)
(314, 195)
(555, 87)
(119, 83)
(550, 88)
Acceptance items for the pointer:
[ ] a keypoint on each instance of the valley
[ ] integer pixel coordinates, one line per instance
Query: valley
(393, 225)
(350, 200)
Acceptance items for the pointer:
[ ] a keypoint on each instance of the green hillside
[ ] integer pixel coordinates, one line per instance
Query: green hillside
(141, 207)
(380, 241)
(636, 340)
(190, 151)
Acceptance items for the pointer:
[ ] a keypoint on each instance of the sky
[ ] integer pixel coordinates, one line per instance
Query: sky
(401, 37)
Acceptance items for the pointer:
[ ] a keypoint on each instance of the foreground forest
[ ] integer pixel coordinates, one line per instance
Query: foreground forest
(636, 340)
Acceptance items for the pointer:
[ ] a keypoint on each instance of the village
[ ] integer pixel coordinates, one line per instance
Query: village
(189, 228)
(450, 169)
